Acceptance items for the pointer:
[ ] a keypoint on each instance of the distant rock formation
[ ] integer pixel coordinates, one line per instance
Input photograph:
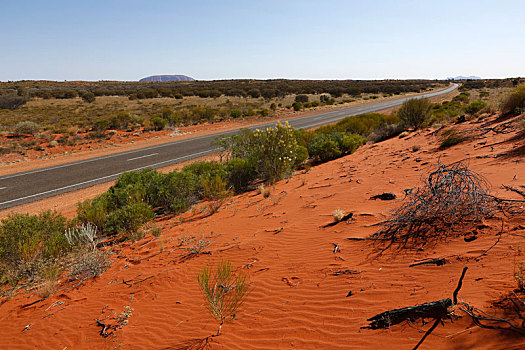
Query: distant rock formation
(167, 78)
(472, 77)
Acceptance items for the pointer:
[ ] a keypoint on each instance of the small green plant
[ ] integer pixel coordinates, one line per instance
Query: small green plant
(123, 318)
(224, 292)
(475, 106)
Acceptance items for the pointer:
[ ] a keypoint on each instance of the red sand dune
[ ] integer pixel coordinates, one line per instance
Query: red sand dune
(295, 301)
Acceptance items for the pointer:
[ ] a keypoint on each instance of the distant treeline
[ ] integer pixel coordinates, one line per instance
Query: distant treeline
(243, 88)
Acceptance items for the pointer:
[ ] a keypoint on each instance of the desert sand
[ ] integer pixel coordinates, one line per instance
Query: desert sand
(297, 298)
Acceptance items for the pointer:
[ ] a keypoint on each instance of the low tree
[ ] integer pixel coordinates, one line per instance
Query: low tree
(301, 98)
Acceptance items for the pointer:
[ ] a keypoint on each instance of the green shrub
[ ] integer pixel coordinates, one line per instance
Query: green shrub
(301, 156)
(27, 239)
(331, 146)
(88, 97)
(240, 173)
(297, 106)
(514, 103)
(214, 188)
(324, 147)
(445, 111)
(92, 211)
(27, 127)
(414, 112)
(179, 191)
(263, 112)
(272, 151)
(128, 219)
(475, 106)
(350, 142)
(235, 113)
(304, 137)
(365, 124)
(159, 123)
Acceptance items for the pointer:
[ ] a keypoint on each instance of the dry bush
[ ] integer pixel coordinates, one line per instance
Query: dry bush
(266, 191)
(451, 196)
(89, 264)
(338, 214)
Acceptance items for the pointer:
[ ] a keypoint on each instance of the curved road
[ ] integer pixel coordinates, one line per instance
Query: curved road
(33, 185)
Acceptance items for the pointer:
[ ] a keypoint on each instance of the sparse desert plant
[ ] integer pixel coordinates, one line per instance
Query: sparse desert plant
(266, 191)
(26, 127)
(338, 214)
(89, 264)
(83, 234)
(198, 246)
(514, 103)
(475, 106)
(414, 112)
(123, 318)
(49, 272)
(451, 196)
(224, 292)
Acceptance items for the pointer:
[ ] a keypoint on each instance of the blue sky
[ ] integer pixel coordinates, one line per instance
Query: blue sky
(227, 39)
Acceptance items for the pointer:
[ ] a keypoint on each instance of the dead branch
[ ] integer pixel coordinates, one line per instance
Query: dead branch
(387, 196)
(460, 283)
(346, 272)
(275, 231)
(508, 188)
(435, 309)
(430, 261)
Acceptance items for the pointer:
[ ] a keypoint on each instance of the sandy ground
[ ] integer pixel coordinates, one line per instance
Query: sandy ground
(67, 202)
(297, 299)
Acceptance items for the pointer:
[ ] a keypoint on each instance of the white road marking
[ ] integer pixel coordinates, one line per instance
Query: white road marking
(110, 176)
(3, 188)
(147, 155)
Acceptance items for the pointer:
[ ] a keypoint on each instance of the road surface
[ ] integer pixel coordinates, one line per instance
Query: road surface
(34, 185)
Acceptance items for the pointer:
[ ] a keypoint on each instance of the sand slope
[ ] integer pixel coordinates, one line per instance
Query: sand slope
(296, 298)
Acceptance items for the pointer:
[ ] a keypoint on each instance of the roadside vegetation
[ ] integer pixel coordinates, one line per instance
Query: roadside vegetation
(40, 247)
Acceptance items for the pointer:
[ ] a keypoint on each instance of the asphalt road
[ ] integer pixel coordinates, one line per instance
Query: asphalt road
(33, 185)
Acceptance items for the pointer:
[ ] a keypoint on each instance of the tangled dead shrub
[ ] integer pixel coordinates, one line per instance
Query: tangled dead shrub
(89, 264)
(451, 196)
